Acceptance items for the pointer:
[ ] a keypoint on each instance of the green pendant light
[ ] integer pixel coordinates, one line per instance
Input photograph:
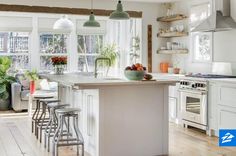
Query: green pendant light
(92, 22)
(119, 13)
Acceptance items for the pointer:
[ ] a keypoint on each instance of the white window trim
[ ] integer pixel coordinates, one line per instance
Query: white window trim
(193, 48)
(7, 54)
(54, 54)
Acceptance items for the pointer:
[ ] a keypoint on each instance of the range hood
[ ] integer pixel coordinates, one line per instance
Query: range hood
(220, 20)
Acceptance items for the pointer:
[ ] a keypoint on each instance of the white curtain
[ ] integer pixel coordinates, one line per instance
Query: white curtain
(121, 34)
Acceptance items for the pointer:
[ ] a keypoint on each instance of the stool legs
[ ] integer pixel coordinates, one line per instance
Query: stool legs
(34, 115)
(59, 140)
(78, 135)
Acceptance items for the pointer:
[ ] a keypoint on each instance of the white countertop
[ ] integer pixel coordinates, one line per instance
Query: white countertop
(167, 76)
(226, 80)
(78, 80)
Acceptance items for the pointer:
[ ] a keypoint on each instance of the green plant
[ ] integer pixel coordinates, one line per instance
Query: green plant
(32, 75)
(109, 51)
(5, 80)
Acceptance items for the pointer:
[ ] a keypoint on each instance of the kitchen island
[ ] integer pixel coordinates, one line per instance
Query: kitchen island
(119, 117)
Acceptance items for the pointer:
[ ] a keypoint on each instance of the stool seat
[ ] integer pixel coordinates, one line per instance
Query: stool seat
(42, 97)
(68, 110)
(50, 100)
(55, 105)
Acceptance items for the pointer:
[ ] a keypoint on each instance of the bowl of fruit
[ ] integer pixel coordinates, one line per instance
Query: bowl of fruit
(135, 72)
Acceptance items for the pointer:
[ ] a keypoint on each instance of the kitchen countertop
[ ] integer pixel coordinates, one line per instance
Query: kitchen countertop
(225, 80)
(72, 79)
(166, 76)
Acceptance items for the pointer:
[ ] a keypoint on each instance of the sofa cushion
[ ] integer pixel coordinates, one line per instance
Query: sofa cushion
(20, 78)
(24, 95)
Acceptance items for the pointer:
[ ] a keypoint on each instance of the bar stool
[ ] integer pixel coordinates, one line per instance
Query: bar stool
(52, 124)
(67, 114)
(37, 111)
(43, 119)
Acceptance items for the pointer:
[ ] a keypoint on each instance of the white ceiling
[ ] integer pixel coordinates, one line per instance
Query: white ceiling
(154, 1)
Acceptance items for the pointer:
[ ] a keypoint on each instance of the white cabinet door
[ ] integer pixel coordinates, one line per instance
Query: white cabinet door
(227, 118)
(90, 111)
(172, 109)
(212, 106)
(227, 106)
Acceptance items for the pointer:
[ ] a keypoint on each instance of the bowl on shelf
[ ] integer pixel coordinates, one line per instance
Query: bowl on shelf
(134, 75)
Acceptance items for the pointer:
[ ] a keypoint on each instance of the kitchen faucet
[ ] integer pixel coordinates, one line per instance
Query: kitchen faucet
(96, 64)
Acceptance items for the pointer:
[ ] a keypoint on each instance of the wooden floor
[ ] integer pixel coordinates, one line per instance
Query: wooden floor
(16, 139)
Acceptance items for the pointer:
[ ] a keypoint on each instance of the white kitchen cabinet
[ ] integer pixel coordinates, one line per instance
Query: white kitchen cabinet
(227, 117)
(174, 108)
(221, 106)
(87, 101)
(227, 106)
(212, 108)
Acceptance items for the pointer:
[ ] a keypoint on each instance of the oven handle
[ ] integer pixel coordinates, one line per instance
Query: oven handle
(194, 92)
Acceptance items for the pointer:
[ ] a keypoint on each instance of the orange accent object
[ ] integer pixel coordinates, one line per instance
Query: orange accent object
(164, 67)
(32, 87)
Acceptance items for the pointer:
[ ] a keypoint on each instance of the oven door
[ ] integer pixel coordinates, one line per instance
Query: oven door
(194, 106)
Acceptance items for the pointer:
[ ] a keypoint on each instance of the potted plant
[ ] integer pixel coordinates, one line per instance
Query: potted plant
(5, 83)
(109, 51)
(59, 64)
(32, 76)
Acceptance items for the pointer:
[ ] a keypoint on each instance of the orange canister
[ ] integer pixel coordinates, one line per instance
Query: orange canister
(164, 67)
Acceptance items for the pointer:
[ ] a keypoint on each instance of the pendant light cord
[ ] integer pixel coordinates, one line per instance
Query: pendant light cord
(92, 6)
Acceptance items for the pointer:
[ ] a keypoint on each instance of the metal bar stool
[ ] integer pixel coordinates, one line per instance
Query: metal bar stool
(36, 112)
(52, 124)
(67, 114)
(43, 119)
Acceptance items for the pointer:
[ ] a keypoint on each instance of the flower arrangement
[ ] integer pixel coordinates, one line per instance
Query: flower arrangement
(59, 60)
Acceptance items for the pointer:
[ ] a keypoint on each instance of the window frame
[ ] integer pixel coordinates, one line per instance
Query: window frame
(193, 35)
(88, 54)
(210, 34)
(43, 54)
(28, 53)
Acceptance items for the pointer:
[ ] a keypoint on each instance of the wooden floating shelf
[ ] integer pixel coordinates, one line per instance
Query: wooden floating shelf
(172, 18)
(181, 51)
(172, 34)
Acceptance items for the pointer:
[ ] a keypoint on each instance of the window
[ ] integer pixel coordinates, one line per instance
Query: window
(89, 47)
(51, 45)
(202, 46)
(201, 42)
(16, 46)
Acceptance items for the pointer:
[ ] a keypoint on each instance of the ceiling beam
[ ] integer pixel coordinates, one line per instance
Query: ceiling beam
(62, 10)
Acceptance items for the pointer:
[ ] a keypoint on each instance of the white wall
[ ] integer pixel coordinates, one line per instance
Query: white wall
(150, 12)
(224, 47)
(186, 61)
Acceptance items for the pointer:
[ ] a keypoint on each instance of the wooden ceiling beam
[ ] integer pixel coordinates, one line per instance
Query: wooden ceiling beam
(62, 10)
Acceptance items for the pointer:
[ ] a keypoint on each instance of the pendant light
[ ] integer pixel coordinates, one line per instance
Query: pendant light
(63, 24)
(92, 22)
(119, 13)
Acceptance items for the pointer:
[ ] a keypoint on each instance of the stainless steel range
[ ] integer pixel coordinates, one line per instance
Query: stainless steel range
(193, 101)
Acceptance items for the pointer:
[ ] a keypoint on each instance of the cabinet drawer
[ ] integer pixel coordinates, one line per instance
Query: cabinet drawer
(227, 96)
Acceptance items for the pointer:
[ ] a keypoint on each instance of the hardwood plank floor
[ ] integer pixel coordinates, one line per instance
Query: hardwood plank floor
(16, 139)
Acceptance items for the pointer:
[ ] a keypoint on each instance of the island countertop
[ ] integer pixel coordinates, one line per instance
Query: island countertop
(73, 79)
(117, 113)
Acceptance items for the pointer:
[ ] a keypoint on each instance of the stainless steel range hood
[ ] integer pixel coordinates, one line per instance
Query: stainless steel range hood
(220, 20)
